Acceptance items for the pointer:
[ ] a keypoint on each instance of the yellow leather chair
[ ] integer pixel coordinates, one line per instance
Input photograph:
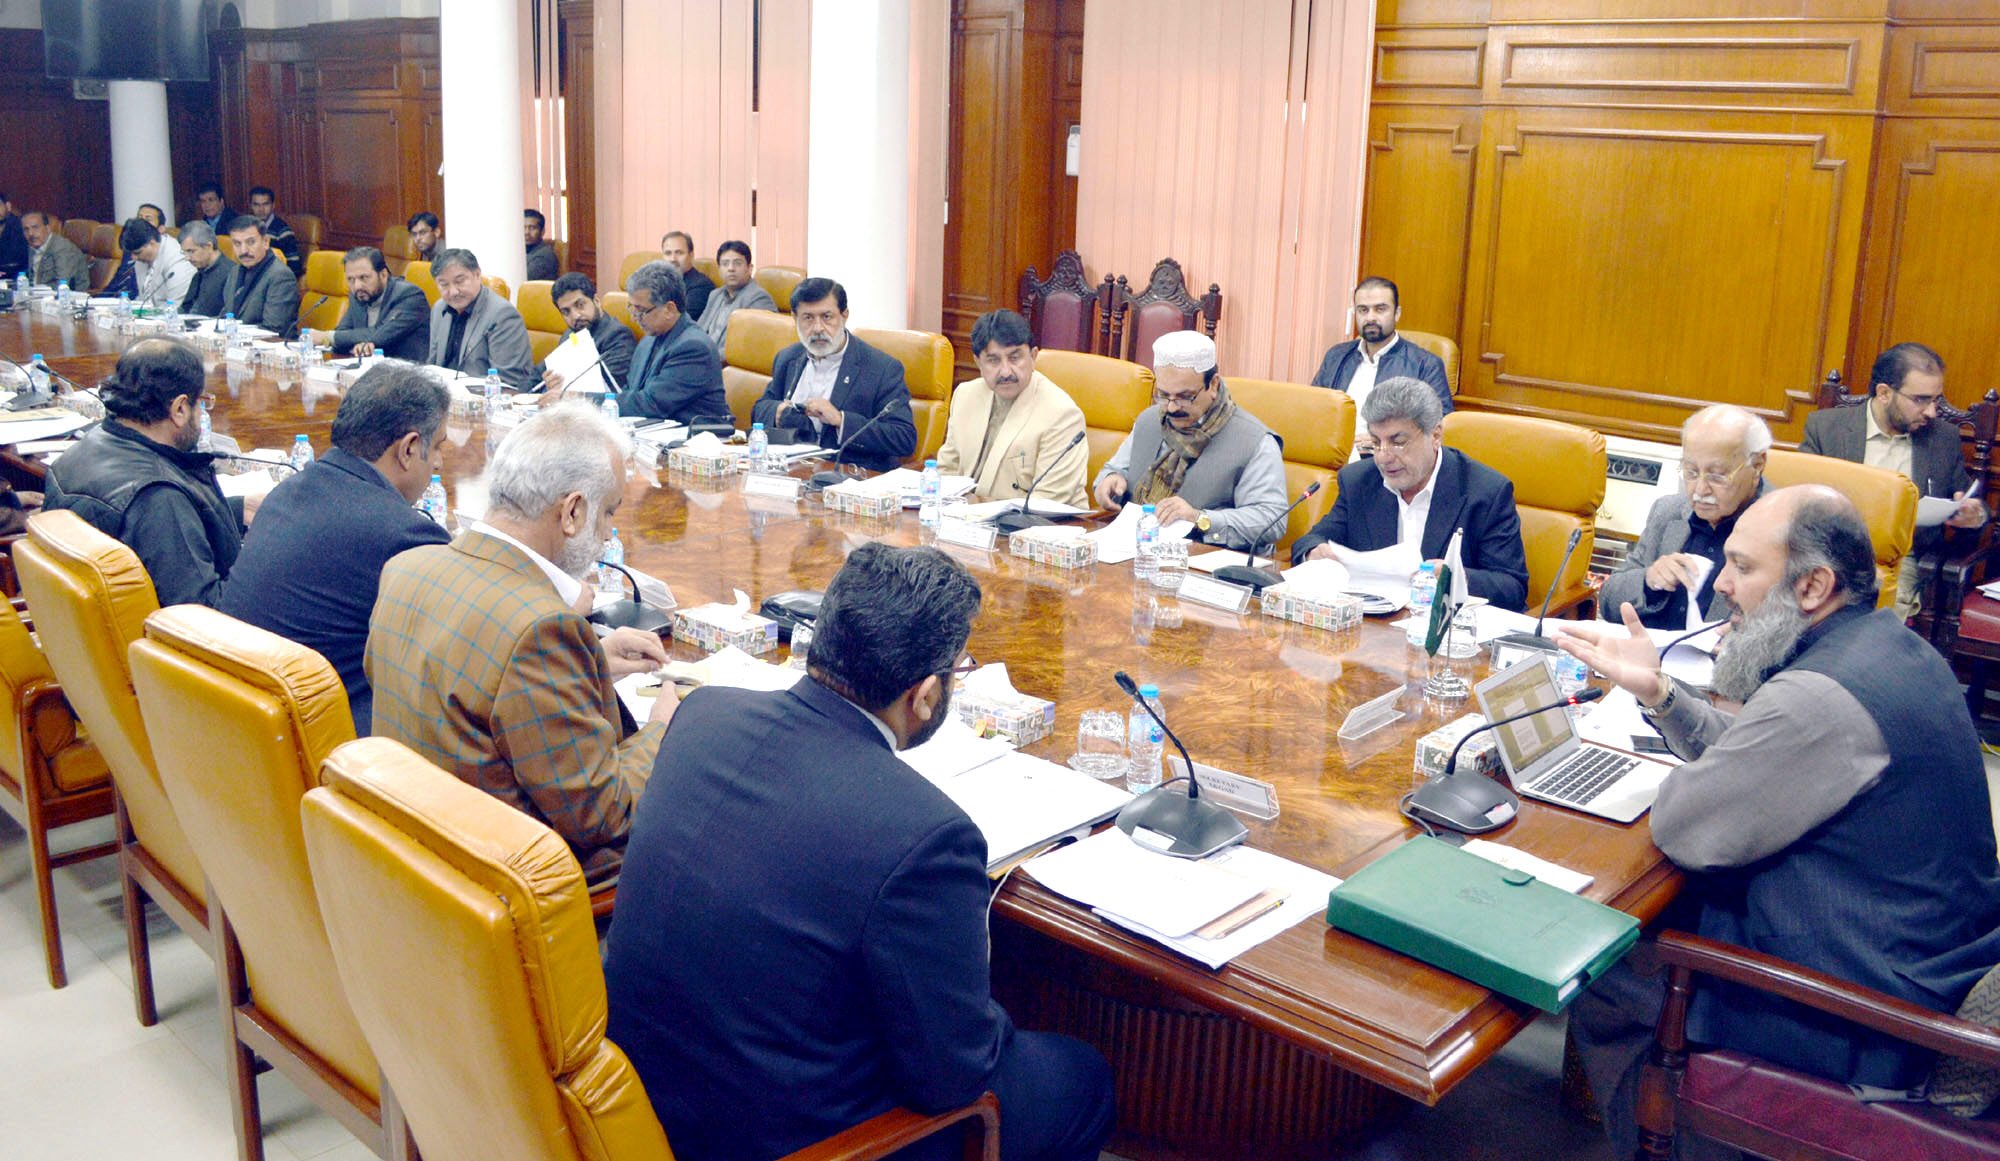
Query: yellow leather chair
(499, 286)
(636, 259)
(397, 249)
(546, 327)
(226, 245)
(618, 305)
(91, 598)
(1558, 474)
(926, 360)
(749, 348)
(778, 282)
(1111, 392)
(1887, 500)
(326, 274)
(211, 685)
(1317, 426)
(710, 267)
(419, 273)
(1445, 349)
(494, 1040)
(50, 776)
(310, 230)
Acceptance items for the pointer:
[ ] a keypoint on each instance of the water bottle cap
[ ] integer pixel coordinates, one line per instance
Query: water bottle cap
(1149, 691)
(930, 463)
(1146, 508)
(1429, 566)
(756, 427)
(492, 370)
(299, 438)
(436, 478)
(38, 358)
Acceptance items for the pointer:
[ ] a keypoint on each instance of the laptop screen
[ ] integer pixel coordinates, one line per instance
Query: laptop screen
(1517, 690)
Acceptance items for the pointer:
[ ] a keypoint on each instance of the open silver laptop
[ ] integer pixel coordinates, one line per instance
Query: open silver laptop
(1547, 760)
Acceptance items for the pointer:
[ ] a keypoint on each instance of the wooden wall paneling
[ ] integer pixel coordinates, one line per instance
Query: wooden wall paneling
(192, 136)
(58, 149)
(1418, 219)
(986, 49)
(579, 88)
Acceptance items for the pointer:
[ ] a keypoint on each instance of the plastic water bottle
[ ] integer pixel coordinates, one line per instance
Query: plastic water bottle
(62, 293)
(124, 304)
(21, 289)
(760, 443)
(494, 389)
(433, 502)
(38, 376)
(1147, 538)
(1145, 742)
(1572, 675)
(204, 428)
(172, 317)
(930, 496)
(610, 579)
(1423, 591)
(802, 638)
(230, 327)
(609, 406)
(302, 453)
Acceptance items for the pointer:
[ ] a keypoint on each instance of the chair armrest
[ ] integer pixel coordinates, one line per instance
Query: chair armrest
(1851, 1002)
(1959, 566)
(883, 1135)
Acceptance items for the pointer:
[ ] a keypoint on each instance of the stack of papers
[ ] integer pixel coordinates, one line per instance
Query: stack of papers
(908, 486)
(1380, 578)
(1019, 803)
(1118, 541)
(726, 668)
(1488, 622)
(989, 510)
(1210, 910)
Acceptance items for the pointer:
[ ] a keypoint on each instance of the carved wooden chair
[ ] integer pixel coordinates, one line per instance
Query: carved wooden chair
(1163, 307)
(1062, 309)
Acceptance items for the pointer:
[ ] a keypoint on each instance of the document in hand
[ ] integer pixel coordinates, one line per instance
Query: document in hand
(1118, 541)
(576, 360)
(1935, 510)
(1498, 927)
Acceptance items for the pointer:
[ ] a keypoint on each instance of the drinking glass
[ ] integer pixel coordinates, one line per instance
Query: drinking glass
(1100, 743)
(1170, 564)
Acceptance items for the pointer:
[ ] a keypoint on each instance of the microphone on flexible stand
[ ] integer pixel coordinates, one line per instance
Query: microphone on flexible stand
(1476, 805)
(1010, 522)
(632, 614)
(298, 322)
(1535, 642)
(1197, 829)
(832, 476)
(1253, 575)
(30, 399)
(609, 379)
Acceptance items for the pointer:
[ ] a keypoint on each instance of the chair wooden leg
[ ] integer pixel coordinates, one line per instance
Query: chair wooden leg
(45, 895)
(136, 945)
(234, 987)
(1659, 1080)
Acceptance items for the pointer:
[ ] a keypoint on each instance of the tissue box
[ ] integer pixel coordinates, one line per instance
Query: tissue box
(1480, 756)
(862, 502)
(694, 462)
(1020, 719)
(1320, 610)
(713, 627)
(1062, 551)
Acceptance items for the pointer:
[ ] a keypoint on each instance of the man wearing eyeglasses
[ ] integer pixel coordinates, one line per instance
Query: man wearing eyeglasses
(1679, 554)
(1897, 429)
(676, 372)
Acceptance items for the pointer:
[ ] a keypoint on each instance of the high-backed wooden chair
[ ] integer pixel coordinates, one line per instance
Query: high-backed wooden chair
(91, 598)
(1163, 307)
(50, 775)
(210, 685)
(749, 349)
(779, 282)
(397, 249)
(1110, 392)
(495, 1045)
(1317, 427)
(326, 275)
(1557, 470)
(1445, 349)
(546, 327)
(419, 273)
(926, 360)
(1887, 500)
(1062, 310)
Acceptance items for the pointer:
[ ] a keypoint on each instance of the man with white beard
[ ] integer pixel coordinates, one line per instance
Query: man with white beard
(1838, 820)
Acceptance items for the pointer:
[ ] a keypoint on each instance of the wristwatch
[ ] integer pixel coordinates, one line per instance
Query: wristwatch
(1654, 713)
(1201, 521)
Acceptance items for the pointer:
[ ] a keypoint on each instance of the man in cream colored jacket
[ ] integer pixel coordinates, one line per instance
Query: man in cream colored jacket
(1011, 424)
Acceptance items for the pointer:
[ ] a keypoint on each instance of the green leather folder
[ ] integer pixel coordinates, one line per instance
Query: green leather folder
(1497, 927)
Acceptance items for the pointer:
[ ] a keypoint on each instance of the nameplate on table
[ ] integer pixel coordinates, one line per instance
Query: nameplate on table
(1239, 792)
(1206, 590)
(778, 487)
(967, 533)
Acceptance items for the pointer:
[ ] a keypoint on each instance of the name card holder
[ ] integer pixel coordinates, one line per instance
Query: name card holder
(1239, 792)
(1206, 590)
(1371, 715)
(778, 487)
(952, 530)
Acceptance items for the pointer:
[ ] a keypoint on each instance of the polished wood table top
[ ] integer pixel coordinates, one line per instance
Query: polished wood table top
(1245, 692)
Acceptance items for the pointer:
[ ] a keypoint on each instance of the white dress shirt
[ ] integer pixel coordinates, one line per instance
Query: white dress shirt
(1412, 515)
(567, 587)
(819, 377)
(1366, 370)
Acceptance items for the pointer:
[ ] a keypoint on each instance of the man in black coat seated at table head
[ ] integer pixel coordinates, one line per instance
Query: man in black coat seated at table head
(826, 387)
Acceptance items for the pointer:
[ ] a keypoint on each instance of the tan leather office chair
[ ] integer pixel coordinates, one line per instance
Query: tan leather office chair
(419, 273)
(50, 775)
(211, 685)
(397, 249)
(1887, 500)
(499, 286)
(79, 231)
(618, 305)
(1558, 474)
(779, 282)
(1111, 393)
(636, 259)
(105, 254)
(926, 360)
(91, 598)
(310, 231)
(546, 327)
(495, 1044)
(1445, 349)
(326, 275)
(749, 349)
(710, 267)
(1317, 427)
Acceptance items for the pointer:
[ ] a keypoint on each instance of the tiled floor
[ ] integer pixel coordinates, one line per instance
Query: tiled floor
(79, 1078)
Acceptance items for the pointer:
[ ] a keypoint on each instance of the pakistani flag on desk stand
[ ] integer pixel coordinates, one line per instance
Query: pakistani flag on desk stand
(1443, 684)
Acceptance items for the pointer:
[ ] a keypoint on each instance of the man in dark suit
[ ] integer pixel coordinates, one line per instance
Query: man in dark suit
(801, 944)
(260, 289)
(543, 264)
(576, 297)
(14, 242)
(385, 314)
(1897, 429)
(1380, 353)
(677, 248)
(264, 208)
(676, 373)
(1416, 491)
(826, 387)
(211, 270)
(357, 496)
(211, 208)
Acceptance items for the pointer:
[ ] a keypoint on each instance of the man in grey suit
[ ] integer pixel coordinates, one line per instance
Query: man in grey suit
(260, 290)
(739, 291)
(385, 315)
(53, 258)
(1897, 429)
(473, 329)
(1722, 472)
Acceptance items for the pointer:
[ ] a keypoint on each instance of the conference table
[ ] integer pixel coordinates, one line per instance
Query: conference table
(1302, 1041)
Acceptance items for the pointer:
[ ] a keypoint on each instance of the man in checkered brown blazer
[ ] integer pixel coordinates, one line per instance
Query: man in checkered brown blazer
(480, 656)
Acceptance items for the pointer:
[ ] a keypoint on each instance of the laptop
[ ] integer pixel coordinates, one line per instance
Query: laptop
(1546, 759)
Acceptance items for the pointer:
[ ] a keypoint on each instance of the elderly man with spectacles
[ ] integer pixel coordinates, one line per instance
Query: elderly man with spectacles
(1680, 552)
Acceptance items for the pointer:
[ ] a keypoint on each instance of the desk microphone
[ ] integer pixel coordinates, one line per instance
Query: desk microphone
(285, 464)
(1253, 575)
(1197, 829)
(632, 614)
(1476, 805)
(1690, 635)
(150, 295)
(298, 322)
(29, 399)
(609, 379)
(832, 476)
(1009, 522)
(1535, 642)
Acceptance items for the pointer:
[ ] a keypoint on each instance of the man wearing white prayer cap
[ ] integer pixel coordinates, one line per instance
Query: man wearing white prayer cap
(1196, 455)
